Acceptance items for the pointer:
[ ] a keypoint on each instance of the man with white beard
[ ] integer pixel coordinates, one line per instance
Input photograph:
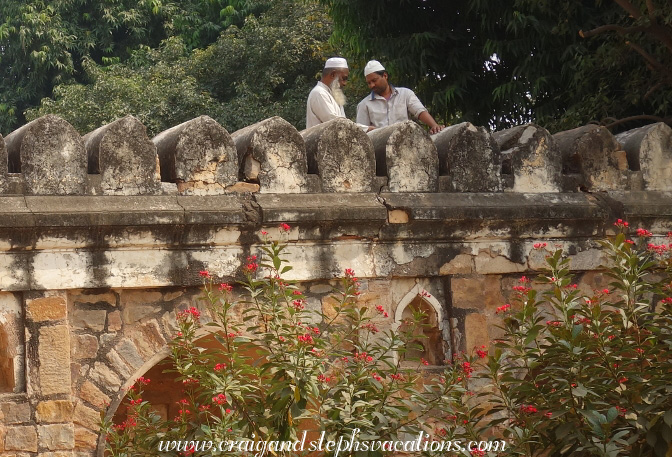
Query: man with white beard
(327, 99)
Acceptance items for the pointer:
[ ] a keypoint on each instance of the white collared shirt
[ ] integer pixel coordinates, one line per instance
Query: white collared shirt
(377, 111)
(321, 106)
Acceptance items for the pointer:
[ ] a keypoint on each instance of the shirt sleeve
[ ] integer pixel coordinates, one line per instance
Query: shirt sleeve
(323, 109)
(363, 114)
(414, 105)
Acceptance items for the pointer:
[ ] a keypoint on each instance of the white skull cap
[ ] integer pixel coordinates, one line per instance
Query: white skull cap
(372, 67)
(336, 62)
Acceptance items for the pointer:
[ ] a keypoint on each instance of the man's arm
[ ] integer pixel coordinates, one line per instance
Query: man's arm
(427, 119)
(363, 118)
(417, 109)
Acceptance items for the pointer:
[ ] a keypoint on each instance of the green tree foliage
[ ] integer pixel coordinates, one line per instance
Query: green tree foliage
(263, 69)
(501, 63)
(46, 43)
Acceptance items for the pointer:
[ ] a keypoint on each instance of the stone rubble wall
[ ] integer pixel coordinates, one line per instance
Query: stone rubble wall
(102, 237)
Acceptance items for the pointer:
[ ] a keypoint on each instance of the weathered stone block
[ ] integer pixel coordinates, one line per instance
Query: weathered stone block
(46, 308)
(54, 358)
(477, 292)
(406, 154)
(272, 153)
(649, 149)
(85, 319)
(85, 439)
(124, 157)
(476, 331)
(593, 153)
(530, 154)
(87, 298)
(86, 417)
(50, 155)
(21, 438)
(93, 395)
(492, 263)
(54, 411)
(84, 347)
(105, 377)
(470, 156)
(56, 437)
(342, 155)
(114, 321)
(14, 413)
(460, 264)
(199, 155)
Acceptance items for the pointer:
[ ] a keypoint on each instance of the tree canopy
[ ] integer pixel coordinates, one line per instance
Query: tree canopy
(47, 43)
(262, 69)
(560, 63)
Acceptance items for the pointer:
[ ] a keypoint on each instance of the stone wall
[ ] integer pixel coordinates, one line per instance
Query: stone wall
(102, 237)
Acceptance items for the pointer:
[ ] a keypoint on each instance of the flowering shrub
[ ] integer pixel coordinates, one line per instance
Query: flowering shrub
(573, 374)
(282, 369)
(589, 375)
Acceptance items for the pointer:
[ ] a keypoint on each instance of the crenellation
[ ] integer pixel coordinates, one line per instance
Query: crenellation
(342, 155)
(406, 155)
(50, 155)
(272, 154)
(124, 157)
(199, 155)
(649, 151)
(531, 157)
(470, 156)
(593, 153)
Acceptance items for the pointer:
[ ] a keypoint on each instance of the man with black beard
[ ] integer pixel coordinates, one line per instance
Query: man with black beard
(327, 99)
(387, 104)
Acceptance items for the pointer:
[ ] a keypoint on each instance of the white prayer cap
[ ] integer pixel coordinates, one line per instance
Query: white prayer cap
(336, 62)
(372, 67)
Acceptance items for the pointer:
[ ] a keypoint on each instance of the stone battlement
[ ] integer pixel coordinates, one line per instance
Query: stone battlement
(199, 157)
(102, 238)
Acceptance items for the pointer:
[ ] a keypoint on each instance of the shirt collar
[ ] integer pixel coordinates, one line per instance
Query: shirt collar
(394, 92)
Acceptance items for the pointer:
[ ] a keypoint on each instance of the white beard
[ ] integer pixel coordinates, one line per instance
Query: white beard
(337, 92)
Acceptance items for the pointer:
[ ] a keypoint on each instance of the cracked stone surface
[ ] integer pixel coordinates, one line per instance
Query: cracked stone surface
(124, 157)
(280, 151)
(50, 155)
(342, 155)
(199, 155)
(407, 155)
(470, 156)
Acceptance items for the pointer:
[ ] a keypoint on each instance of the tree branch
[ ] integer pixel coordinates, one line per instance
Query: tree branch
(651, 8)
(653, 89)
(629, 7)
(611, 28)
(640, 117)
(654, 64)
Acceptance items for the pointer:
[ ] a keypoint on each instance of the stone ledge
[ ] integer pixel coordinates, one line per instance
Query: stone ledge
(335, 207)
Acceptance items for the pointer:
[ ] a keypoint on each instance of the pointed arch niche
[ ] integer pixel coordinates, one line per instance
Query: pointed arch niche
(430, 335)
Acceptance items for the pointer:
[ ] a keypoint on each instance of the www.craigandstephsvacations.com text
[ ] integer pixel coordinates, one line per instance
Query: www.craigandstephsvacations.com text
(344, 444)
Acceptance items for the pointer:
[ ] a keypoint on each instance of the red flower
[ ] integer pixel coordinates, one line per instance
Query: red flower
(528, 409)
(204, 274)
(284, 227)
(539, 245)
(621, 223)
(481, 354)
(643, 232)
(220, 366)
(142, 380)
(503, 308)
(225, 287)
